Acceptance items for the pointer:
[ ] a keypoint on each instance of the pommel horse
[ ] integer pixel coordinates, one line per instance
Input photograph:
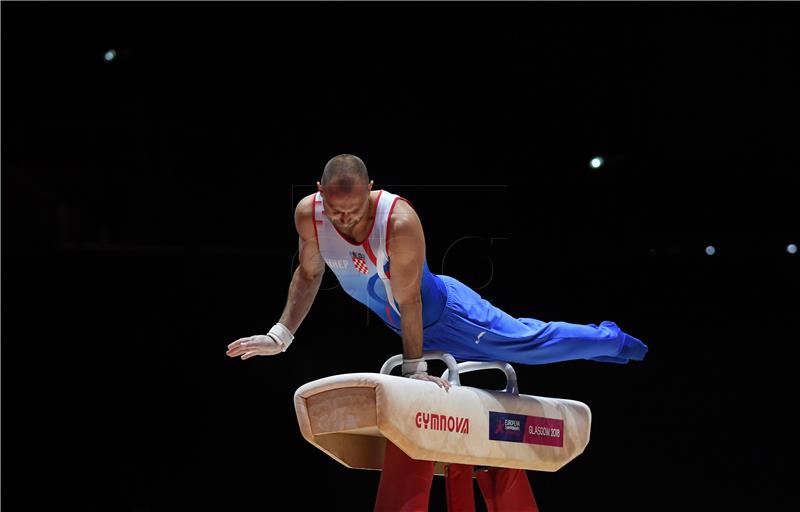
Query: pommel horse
(412, 429)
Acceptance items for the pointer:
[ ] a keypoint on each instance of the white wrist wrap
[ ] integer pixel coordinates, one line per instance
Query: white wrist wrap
(412, 366)
(282, 335)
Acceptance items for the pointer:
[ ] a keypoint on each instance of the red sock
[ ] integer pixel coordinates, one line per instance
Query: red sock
(507, 490)
(458, 485)
(405, 484)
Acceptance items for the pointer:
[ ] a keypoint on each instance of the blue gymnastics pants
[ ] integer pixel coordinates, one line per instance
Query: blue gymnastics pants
(471, 328)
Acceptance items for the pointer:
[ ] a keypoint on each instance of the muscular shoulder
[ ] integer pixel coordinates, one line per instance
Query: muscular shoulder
(304, 216)
(405, 227)
(403, 216)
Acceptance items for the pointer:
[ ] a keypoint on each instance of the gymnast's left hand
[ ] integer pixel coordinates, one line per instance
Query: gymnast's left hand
(431, 378)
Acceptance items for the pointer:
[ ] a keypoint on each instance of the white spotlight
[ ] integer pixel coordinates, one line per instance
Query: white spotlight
(710, 250)
(110, 55)
(596, 162)
(791, 248)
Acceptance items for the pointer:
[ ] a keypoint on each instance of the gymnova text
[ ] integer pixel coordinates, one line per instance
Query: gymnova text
(433, 421)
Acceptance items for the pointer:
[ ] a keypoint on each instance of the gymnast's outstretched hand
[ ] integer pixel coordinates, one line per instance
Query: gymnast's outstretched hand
(431, 378)
(260, 345)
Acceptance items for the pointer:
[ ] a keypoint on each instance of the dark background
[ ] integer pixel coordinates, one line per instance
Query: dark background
(147, 223)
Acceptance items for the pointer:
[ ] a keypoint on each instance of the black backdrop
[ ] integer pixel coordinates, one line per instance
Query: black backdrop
(147, 223)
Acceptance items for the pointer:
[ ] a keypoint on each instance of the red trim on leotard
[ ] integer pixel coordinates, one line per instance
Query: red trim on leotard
(314, 216)
(370, 254)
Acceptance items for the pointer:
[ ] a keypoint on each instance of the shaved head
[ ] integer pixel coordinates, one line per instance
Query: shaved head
(345, 174)
(345, 188)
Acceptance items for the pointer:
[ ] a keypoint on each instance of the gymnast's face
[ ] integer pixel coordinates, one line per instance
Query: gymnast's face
(345, 208)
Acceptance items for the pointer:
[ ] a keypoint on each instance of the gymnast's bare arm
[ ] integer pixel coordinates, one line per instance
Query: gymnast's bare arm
(406, 251)
(302, 290)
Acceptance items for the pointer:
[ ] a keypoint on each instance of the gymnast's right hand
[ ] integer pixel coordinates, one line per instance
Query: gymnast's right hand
(260, 345)
(277, 340)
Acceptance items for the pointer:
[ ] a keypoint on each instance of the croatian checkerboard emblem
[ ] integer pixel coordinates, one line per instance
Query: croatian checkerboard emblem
(360, 262)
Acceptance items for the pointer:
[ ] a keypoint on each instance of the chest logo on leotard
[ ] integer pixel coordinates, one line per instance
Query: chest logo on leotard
(360, 262)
